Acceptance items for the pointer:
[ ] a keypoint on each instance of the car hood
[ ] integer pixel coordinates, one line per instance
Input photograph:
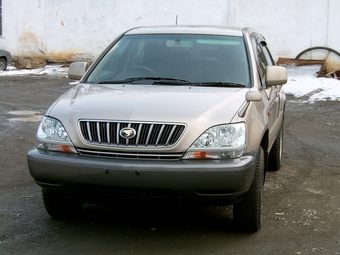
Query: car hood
(197, 107)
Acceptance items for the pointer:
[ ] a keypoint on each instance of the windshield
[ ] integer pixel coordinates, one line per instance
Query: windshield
(176, 59)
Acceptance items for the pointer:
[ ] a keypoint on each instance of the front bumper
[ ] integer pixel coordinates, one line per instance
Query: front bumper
(209, 181)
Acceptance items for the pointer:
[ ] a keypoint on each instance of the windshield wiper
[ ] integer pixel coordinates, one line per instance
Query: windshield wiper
(170, 81)
(219, 84)
(158, 80)
(129, 80)
(174, 81)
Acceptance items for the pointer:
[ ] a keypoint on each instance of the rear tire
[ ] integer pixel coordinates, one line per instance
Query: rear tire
(59, 205)
(248, 213)
(275, 155)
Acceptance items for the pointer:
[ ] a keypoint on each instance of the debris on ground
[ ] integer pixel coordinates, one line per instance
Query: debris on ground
(329, 62)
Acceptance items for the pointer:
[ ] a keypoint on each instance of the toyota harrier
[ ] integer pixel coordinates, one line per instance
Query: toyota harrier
(184, 113)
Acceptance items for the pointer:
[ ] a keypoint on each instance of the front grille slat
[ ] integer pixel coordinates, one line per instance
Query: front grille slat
(149, 135)
(89, 131)
(171, 134)
(160, 134)
(113, 128)
(93, 131)
(98, 132)
(107, 133)
(144, 134)
(133, 141)
(117, 133)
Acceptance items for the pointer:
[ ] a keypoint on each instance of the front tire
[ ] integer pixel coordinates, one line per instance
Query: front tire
(3, 64)
(275, 155)
(59, 205)
(248, 213)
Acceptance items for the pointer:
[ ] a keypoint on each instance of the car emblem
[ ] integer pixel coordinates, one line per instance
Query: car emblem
(127, 133)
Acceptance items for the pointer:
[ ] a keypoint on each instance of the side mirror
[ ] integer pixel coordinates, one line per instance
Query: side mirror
(275, 75)
(253, 96)
(77, 70)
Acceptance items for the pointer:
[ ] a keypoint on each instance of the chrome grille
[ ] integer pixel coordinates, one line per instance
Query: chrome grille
(128, 155)
(147, 134)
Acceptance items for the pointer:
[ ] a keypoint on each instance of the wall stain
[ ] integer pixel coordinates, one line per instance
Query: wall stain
(32, 54)
(36, 60)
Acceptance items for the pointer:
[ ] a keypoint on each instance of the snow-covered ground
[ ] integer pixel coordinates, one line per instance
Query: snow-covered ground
(53, 70)
(302, 81)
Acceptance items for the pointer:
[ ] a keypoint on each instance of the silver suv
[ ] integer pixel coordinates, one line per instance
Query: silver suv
(191, 113)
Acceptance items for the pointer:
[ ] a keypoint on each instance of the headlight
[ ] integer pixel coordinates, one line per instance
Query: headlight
(52, 136)
(219, 142)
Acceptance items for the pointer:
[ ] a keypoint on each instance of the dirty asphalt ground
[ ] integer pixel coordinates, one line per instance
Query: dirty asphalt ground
(301, 203)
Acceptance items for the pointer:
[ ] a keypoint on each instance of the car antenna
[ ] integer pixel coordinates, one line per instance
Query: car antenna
(176, 19)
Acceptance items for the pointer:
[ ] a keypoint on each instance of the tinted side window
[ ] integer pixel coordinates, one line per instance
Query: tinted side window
(267, 54)
(264, 58)
(261, 60)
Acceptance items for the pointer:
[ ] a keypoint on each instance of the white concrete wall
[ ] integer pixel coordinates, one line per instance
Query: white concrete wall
(62, 30)
(333, 31)
(290, 26)
(88, 26)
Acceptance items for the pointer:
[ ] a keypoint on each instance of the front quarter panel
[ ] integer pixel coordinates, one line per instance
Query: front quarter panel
(256, 124)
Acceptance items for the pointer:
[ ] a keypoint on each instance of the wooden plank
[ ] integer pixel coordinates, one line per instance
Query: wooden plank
(299, 62)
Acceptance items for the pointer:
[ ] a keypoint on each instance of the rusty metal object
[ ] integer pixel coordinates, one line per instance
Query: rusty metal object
(317, 48)
(331, 61)
(335, 74)
(298, 62)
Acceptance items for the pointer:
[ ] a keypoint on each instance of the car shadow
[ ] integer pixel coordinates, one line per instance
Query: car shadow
(158, 217)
